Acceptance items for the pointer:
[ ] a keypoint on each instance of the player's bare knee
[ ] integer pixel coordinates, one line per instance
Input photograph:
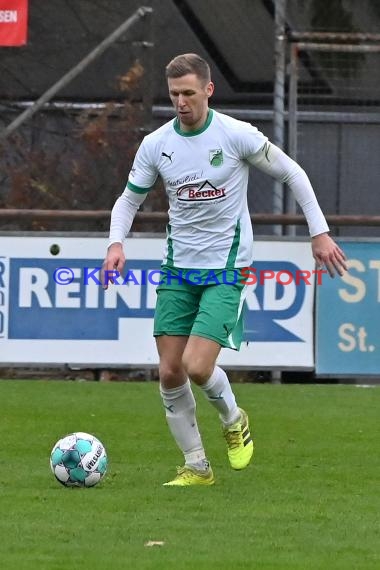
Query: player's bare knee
(171, 375)
(197, 369)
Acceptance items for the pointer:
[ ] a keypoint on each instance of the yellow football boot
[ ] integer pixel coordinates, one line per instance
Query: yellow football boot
(187, 476)
(239, 442)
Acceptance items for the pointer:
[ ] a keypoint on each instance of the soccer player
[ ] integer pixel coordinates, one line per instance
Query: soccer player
(203, 158)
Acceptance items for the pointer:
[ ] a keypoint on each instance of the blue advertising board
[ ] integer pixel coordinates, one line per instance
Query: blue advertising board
(348, 315)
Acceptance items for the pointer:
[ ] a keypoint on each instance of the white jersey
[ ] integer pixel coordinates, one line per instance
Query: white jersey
(205, 174)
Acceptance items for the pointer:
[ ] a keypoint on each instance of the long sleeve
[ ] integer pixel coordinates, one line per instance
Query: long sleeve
(122, 215)
(273, 161)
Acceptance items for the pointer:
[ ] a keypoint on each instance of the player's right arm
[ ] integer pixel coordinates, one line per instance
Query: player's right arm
(122, 216)
(141, 178)
(113, 264)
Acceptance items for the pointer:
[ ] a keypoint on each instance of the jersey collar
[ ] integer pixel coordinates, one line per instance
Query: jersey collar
(178, 130)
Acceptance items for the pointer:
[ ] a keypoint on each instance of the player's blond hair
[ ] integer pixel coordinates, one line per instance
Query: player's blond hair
(189, 63)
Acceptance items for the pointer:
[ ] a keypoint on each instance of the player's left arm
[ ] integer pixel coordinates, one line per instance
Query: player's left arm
(273, 161)
(326, 252)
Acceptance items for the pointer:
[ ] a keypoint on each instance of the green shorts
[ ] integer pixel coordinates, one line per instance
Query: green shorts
(204, 302)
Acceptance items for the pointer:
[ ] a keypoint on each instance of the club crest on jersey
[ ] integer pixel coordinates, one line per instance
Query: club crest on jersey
(216, 157)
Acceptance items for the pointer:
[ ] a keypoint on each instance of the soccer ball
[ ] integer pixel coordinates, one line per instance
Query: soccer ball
(78, 460)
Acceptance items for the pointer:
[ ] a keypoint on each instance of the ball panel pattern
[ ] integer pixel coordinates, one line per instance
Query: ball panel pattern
(79, 460)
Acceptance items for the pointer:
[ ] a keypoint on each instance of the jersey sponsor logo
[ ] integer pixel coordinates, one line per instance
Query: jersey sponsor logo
(216, 157)
(185, 179)
(203, 192)
(168, 156)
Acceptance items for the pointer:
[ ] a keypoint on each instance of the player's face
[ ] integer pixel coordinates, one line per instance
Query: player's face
(190, 96)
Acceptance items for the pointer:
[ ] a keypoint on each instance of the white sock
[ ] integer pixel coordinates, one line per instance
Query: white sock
(180, 408)
(219, 393)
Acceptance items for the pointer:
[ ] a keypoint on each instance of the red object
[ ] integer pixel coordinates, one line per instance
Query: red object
(13, 22)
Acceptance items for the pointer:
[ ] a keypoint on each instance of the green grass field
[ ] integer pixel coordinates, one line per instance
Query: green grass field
(310, 500)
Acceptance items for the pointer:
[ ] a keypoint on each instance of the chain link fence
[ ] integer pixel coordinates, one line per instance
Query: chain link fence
(337, 16)
(74, 155)
(334, 124)
(334, 104)
(59, 153)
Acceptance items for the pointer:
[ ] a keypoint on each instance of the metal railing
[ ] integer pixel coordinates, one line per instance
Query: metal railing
(23, 215)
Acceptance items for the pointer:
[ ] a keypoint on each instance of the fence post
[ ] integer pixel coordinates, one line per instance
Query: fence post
(279, 101)
(291, 206)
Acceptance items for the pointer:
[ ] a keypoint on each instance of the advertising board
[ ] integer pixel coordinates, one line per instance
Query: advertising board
(348, 315)
(54, 311)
